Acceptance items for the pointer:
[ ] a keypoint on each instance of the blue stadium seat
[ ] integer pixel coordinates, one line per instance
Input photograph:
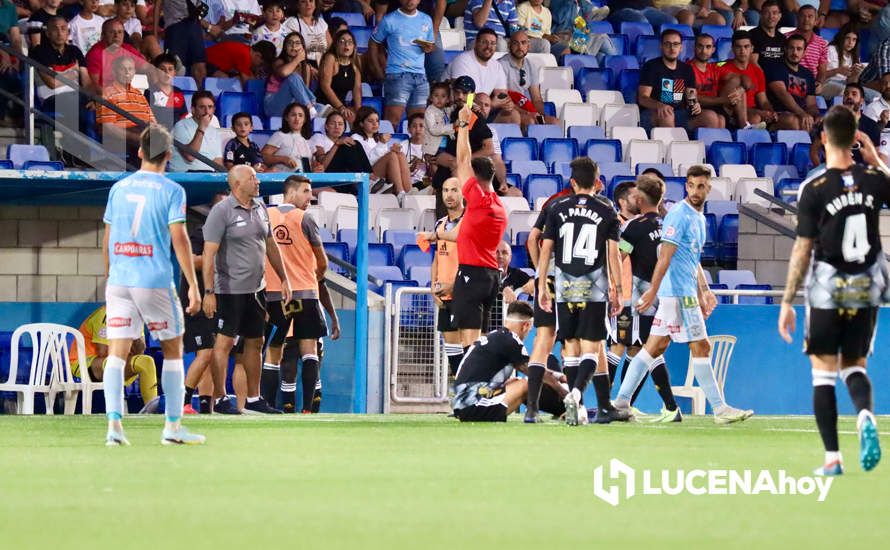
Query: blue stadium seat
(688, 48)
(717, 31)
(506, 130)
(260, 137)
(633, 29)
(450, 55)
(412, 255)
(755, 300)
(419, 273)
(767, 153)
(525, 168)
(519, 148)
(386, 127)
(579, 61)
(593, 79)
(379, 254)
(609, 170)
(603, 150)
(793, 137)
(235, 102)
(828, 34)
(352, 19)
(684, 30)
(185, 83)
(558, 149)
(541, 185)
(778, 172)
(549, 108)
(339, 251)
(383, 273)
(721, 152)
(620, 63)
(540, 132)
(582, 133)
(6, 164)
(375, 102)
(43, 165)
(721, 208)
(257, 87)
(628, 81)
(515, 180)
(362, 37)
(710, 250)
(648, 47)
(675, 190)
(257, 121)
(19, 153)
(721, 299)
(752, 136)
(399, 238)
(521, 238)
(520, 257)
(710, 135)
(821, 104)
(724, 49)
(217, 86)
(563, 169)
(620, 43)
(786, 189)
(800, 157)
(600, 27)
(350, 237)
(615, 182)
(325, 234)
(665, 169)
(728, 236)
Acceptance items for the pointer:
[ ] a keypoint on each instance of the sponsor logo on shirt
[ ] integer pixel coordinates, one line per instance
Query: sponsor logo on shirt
(670, 231)
(162, 325)
(133, 249)
(119, 322)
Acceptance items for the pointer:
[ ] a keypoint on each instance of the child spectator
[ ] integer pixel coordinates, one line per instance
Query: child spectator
(126, 14)
(38, 19)
(288, 147)
(843, 62)
(418, 163)
(85, 28)
(271, 30)
(536, 18)
(436, 126)
(166, 100)
(240, 149)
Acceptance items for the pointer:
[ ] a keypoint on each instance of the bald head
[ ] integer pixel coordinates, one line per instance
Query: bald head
(503, 254)
(451, 195)
(243, 182)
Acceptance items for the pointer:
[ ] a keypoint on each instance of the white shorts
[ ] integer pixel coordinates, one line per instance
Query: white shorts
(679, 318)
(129, 309)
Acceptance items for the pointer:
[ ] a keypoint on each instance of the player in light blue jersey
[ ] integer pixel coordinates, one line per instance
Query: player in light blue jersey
(144, 215)
(684, 300)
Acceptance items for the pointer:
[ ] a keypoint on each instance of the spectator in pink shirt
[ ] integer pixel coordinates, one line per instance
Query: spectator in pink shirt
(815, 57)
(110, 47)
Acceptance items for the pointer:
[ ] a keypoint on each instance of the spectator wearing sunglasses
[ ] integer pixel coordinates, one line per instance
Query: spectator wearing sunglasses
(523, 81)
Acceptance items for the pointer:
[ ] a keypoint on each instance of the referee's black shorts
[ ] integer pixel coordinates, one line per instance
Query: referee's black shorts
(475, 291)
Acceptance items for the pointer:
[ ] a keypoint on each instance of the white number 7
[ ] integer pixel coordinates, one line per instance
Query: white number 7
(137, 217)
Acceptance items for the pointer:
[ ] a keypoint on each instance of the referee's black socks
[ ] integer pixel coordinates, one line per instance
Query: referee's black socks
(309, 378)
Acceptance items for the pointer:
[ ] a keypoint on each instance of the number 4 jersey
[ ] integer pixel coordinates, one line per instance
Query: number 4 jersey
(840, 210)
(579, 226)
(139, 210)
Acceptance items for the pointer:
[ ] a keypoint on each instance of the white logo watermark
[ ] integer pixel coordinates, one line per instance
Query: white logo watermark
(702, 482)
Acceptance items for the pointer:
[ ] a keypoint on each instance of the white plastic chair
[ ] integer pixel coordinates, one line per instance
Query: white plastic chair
(640, 150)
(394, 218)
(601, 98)
(515, 204)
(683, 152)
(560, 97)
(580, 114)
(50, 370)
(426, 219)
(625, 134)
(721, 189)
(744, 191)
(619, 115)
(721, 353)
(541, 59)
(520, 221)
(557, 78)
(735, 172)
(669, 135)
(453, 39)
(345, 217)
(319, 215)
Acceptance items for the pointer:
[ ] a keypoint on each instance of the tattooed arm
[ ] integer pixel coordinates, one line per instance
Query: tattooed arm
(797, 268)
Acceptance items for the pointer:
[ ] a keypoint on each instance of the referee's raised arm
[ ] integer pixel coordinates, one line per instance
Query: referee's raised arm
(463, 168)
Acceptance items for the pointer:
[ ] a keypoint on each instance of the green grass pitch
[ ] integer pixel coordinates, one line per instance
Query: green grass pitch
(418, 482)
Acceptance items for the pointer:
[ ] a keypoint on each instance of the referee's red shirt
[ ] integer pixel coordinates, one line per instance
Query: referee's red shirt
(482, 227)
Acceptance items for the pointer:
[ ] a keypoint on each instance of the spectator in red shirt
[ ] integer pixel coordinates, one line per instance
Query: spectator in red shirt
(478, 277)
(707, 81)
(740, 73)
(103, 53)
(236, 59)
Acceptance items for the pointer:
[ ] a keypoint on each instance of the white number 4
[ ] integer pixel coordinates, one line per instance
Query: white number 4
(855, 245)
(137, 217)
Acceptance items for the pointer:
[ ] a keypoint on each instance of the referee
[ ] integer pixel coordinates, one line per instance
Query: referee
(237, 238)
(477, 282)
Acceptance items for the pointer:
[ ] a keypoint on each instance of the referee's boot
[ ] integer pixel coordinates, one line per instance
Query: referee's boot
(606, 416)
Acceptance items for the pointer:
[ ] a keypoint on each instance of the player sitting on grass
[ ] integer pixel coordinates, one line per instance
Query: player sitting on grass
(485, 390)
(838, 243)
(144, 216)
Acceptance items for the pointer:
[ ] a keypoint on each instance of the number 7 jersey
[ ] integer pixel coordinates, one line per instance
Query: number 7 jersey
(139, 210)
(579, 226)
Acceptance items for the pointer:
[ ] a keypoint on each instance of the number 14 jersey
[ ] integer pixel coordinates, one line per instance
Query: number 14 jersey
(580, 225)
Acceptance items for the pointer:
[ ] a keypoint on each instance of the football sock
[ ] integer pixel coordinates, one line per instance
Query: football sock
(172, 377)
(269, 379)
(288, 368)
(316, 395)
(601, 385)
(704, 374)
(570, 368)
(859, 386)
(288, 396)
(662, 381)
(113, 382)
(454, 353)
(144, 366)
(614, 361)
(585, 371)
(189, 393)
(633, 376)
(535, 381)
(825, 408)
(309, 378)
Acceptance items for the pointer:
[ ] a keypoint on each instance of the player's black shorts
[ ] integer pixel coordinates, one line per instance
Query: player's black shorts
(241, 314)
(307, 319)
(849, 331)
(277, 325)
(475, 291)
(633, 329)
(545, 318)
(490, 413)
(585, 321)
(446, 321)
(199, 333)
